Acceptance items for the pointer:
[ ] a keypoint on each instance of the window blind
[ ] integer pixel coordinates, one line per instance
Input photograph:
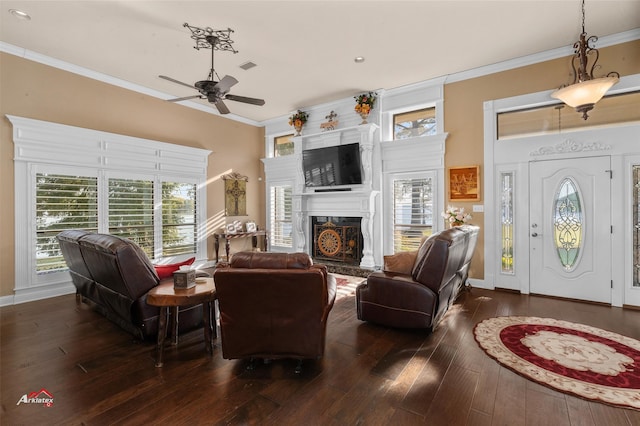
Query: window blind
(62, 202)
(281, 208)
(131, 211)
(179, 231)
(412, 212)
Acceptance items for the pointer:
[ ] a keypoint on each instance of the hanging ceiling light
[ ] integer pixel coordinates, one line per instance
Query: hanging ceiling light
(585, 90)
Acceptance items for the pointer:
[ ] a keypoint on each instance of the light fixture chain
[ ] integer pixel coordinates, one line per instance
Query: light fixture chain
(586, 90)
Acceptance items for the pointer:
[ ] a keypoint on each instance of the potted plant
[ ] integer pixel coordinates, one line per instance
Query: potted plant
(364, 104)
(297, 120)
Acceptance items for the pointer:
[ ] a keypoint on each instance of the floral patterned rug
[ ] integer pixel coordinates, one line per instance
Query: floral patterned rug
(585, 361)
(346, 285)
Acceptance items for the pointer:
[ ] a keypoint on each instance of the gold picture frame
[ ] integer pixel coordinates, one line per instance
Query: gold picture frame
(464, 183)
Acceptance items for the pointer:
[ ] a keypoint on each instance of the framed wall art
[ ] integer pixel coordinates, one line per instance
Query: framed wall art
(464, 183)
(235, 194)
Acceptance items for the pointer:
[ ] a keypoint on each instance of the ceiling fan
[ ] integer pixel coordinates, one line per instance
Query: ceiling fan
(214, 91)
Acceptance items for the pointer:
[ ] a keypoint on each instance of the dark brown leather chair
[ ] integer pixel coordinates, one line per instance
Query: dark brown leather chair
(417, 291)
(115, 274)
(273, 305)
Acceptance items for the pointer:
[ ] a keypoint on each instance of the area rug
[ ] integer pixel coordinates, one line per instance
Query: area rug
(346, 285)
(584, 361)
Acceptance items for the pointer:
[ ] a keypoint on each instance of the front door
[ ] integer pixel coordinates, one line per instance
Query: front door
(570, 228)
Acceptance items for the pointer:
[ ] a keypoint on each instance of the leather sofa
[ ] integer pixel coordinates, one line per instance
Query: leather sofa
(415, 289)
(115, 274)
(273, 305)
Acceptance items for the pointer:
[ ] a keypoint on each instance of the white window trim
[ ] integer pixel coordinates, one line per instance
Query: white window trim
(51, 147)
(389, 178)
(272, 244)
(388, 118)
(270, 148)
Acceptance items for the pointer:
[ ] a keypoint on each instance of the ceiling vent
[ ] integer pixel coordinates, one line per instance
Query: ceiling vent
(248, 65)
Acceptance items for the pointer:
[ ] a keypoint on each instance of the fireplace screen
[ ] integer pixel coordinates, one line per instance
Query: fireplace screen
(337, 240)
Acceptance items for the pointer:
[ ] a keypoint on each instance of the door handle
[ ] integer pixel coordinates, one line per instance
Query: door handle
(535, 234)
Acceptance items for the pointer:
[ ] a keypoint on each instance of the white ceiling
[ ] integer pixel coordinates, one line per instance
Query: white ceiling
(304, 50)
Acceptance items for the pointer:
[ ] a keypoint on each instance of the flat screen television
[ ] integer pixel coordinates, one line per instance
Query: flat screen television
(332, 166)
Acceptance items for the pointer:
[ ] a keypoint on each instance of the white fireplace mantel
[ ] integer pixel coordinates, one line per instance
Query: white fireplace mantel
(349, 204)
(361, 200)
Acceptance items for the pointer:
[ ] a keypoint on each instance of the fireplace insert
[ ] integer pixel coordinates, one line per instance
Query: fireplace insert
(337, 239)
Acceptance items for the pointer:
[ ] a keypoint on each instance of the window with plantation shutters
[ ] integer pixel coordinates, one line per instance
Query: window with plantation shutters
(62, 202)
(67, 177)
(179, 231)
(71, 202)
(281, 224)
(412, 212)
(131, 211)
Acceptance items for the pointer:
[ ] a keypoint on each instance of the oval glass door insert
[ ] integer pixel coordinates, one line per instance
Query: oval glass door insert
(568, 223)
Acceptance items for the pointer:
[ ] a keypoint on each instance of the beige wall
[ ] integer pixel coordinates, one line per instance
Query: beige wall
(32, 90)
(36, 91)
(463, 111)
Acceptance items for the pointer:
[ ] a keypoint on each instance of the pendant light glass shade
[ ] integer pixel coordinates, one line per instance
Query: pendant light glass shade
(584, 95)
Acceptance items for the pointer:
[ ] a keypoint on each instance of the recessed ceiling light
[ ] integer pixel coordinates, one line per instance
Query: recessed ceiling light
(20, 14)
(359, 59)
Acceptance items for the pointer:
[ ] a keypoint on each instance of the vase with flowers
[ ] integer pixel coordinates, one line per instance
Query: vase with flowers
(364, 104)
(456, 216)
(297, 120)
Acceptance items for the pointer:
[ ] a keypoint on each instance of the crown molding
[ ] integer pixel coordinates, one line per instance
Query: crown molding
(561, 52)
(85, 72)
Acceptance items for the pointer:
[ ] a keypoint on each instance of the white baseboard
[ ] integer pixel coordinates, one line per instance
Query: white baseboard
(475, 283)
(6, 301)
(38, 293)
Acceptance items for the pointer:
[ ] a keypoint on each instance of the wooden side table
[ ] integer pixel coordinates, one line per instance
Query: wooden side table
(228, 237)
(166, 297)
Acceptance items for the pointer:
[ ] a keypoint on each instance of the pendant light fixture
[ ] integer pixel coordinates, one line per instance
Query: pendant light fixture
(585, 90)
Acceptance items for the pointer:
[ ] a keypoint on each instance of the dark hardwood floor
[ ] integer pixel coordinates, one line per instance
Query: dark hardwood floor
(370, 375)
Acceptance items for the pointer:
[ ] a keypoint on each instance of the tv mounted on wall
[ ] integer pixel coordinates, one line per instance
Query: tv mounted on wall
(332, 166)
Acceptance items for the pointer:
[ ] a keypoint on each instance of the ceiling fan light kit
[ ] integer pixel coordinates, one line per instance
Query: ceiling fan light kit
(213, 91)
(585, 90)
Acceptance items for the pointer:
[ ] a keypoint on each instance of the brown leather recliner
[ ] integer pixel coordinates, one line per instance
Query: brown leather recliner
(116, 274)
(273, 305)
(415, 289)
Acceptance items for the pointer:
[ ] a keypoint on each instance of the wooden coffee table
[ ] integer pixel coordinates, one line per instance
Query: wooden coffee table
(166, 296)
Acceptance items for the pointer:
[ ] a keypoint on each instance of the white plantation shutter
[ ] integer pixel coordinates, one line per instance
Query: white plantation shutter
(281, 224)
(62, 202)
(179, 230)
(412, 212)
(73, 178)
(131, 211)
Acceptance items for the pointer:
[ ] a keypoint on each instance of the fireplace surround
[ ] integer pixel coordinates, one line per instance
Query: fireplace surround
(359, 202)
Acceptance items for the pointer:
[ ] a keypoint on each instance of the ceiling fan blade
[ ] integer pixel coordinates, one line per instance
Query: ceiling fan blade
(222, 108)
(184, 98)
(173, 80)
(225, 84)
(246, 100)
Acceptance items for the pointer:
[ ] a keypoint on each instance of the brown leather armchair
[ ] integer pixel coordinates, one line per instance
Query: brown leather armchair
(273, 305)
(415, 289)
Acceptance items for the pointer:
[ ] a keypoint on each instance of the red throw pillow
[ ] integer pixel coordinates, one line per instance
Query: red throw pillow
(166, 271)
